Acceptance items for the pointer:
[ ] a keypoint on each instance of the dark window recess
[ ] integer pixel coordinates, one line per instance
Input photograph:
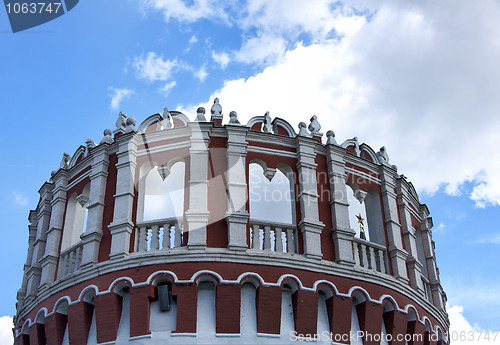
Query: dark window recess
(165, 297)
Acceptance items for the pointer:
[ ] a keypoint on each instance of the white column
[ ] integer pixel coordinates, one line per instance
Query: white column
(32, 227)
(310, 224)
(397, 254)
(432, 270)
(122, 226)
(237, 215)
(91, 238)
(58, 203)
(414, 266)
(197, 214)
(342, 233)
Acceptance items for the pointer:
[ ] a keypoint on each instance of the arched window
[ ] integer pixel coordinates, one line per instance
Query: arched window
(161, 191)
(358, 302)
(61, 318)
(248, 311)
(205, 318)
(164, 310)
(365, 207)
(287, 317)
(88, 319)
(387, 322)
(325, 310)
(357, 211)
(271, 193)
(76, 218)
(123, 333)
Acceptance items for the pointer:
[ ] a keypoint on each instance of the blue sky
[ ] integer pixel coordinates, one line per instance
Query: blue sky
(420, 78)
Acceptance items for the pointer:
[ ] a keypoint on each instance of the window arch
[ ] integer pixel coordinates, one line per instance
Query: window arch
(271, 189)
(161, 190)
(366, 204)
(76, 218)
(357, 210)
(287, 308)
(206, 317)
(248, 310)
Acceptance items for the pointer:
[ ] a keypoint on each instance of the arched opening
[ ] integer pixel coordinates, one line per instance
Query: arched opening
(248, 311)
(271, 193)
(76, 218)
(358, 310)
(205, 320)
(325, 313)
(88, 318)
(374, 217)
(61, 329)
(411, 326)
(123, 333)
(163, 314)
(287, 309)
(163, 193)
(387, 322)
(40, 328)
(357, 211)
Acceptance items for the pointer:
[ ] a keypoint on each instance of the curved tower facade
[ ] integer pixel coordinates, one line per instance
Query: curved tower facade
(199, 232)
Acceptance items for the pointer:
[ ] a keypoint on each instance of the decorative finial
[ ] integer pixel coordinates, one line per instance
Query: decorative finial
(361, 226)
(121, 121)
(267, 126)
(383, 156)
(65, 160)
(89, 145)
(107, 137)
(303, 129)
(200, 115)
(233, 118)
(330, 135)
(166, 122)
(357, 151)
(216, 109)
(130, 125)
(164, 171)
(314, 126)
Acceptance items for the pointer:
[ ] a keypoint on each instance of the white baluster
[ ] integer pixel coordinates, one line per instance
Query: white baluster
(355, 251)
(177, 236)
(277, 241)
(267, 237)
(166, 237)
(155, 237)
(256, 237)
(290, 240)
(371, 259)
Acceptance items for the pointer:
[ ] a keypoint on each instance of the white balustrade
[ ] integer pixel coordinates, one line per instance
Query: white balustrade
(162, 234)
(370, 255)
(272, 236)
(71, 259)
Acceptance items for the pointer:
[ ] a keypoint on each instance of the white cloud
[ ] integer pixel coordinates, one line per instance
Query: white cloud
(408, 77)
(440, 227)
(6, 326)
(263, 49)
(492, 239)
(193, 40)
(199, 9)
(165, 90)
(20, 199)
(221, 58)
(202, 73)
(153, 67)
(118, 95)
(462, 332)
